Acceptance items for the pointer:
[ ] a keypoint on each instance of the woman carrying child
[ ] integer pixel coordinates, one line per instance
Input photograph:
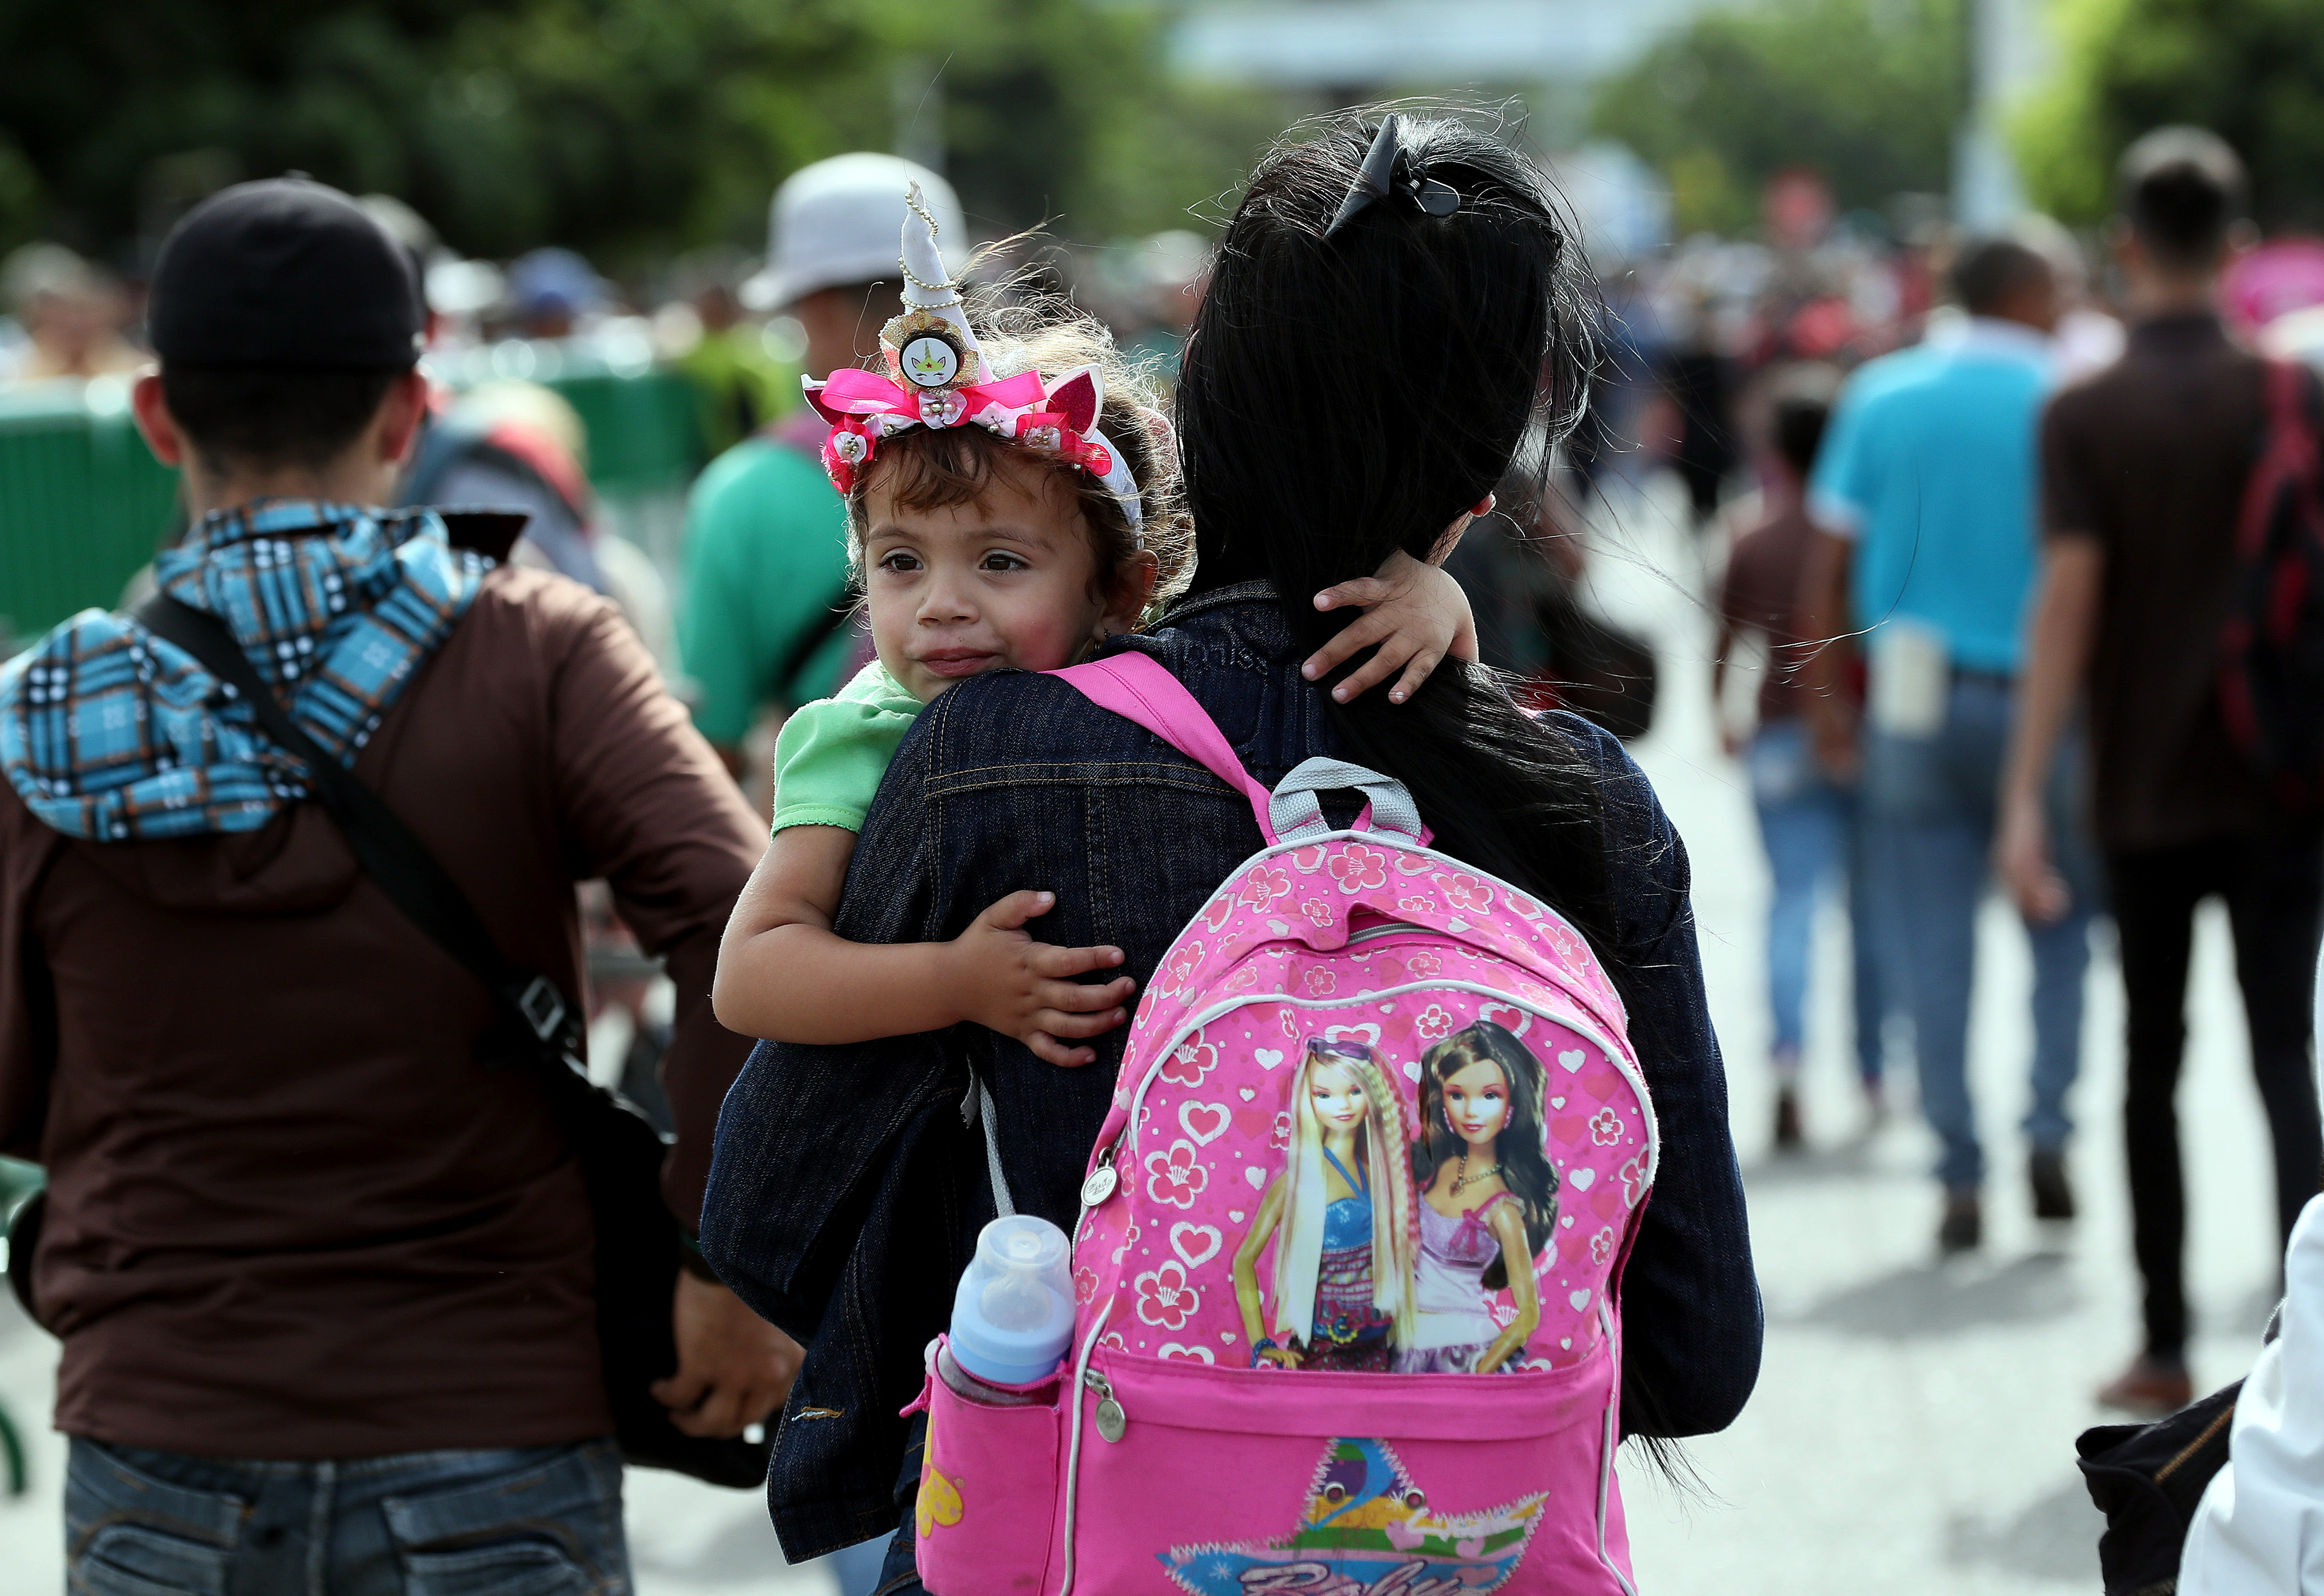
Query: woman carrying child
(999, 522)
(1364, 369)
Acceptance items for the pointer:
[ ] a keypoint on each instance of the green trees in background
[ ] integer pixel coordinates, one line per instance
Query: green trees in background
(627, 128)
(1866, 92)
(2250, 70)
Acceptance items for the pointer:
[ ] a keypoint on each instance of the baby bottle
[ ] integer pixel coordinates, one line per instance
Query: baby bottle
(1012, 1319)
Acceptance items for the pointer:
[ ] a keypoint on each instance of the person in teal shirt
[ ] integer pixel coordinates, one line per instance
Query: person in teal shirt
(1928, 471)
(1924, 490)
(766, 588)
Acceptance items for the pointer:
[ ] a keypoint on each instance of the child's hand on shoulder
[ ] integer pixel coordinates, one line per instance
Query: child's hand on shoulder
(1415, 611)
(1005, 981)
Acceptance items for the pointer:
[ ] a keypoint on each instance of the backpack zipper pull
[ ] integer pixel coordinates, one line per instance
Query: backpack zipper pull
(1111, 1420)
(1101, 1180)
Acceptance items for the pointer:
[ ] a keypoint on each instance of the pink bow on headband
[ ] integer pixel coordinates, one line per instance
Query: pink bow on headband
(863, 406)
(851, 391)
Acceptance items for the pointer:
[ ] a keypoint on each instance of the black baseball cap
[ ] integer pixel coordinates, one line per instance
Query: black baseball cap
(285, 273)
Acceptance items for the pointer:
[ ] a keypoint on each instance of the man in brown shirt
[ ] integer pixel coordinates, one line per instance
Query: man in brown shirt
(2144, 471)
(323, 1279)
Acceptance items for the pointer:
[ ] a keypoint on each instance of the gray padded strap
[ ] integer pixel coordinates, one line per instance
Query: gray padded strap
(1297, 815)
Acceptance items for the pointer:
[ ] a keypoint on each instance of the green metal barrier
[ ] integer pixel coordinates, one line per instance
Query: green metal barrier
(645, 432)
(83, 503)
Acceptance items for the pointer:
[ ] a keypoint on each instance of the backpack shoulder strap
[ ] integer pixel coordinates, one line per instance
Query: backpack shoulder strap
(1141, 688)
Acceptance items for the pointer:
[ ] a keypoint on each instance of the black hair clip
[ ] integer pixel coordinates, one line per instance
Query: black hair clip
(1388, 170)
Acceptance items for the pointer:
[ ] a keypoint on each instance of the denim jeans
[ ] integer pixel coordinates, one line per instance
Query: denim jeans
(860, 1570)
(1934, 799)
(527, 1521)
(1811, 830)
(900, 1573)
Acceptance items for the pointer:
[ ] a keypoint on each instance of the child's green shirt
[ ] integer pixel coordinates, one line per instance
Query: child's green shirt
(831, 753)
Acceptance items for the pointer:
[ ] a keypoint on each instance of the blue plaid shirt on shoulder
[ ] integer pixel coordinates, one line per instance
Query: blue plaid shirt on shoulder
(111, 734)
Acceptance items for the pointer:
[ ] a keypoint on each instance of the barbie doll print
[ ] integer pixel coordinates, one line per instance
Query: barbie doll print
(1340, 1217)
(1488, 1202)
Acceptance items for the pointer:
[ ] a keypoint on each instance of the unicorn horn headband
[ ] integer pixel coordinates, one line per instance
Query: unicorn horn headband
(937, 376)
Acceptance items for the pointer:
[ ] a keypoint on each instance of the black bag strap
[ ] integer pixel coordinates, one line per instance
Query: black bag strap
(535, 1016)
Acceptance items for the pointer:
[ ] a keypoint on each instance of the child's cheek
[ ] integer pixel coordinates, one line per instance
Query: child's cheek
(1041, 643)
(891, 630)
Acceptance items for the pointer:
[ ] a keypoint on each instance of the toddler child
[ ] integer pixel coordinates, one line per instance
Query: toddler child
(999, 521)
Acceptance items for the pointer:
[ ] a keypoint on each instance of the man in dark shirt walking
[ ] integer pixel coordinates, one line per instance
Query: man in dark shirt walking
(2144, 467)
(324, 1279)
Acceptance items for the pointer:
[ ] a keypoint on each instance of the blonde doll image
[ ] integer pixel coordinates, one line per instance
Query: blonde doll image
(1340, 1219)
(1488, 1203)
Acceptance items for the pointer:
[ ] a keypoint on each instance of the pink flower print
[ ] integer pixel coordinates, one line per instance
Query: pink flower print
(1605, 1127)
(1264, 885)
(1317, 911)
(1320, 983)
(1432, 1023)
(1175, 1177)
(1282, 1138)
(1189, 1063)
(1182, 966)
(1416, 905)
(1165, 1298)
(1289, 1019)
(1634, 1182)
(1085, 1286)
(1425, 962)
(1467, 893)
(1601, 1246)
(1535, 990)
(1308, 860)
(1244, 978)
(1356, 867)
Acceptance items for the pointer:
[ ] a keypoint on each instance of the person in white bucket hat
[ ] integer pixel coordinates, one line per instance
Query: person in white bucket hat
(765, 546)
(833, 224)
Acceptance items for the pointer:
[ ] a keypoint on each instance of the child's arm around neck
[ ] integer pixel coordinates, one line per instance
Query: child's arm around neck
(783, 973)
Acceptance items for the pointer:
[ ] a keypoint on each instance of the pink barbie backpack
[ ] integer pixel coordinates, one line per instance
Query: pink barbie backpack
(1383, 1108)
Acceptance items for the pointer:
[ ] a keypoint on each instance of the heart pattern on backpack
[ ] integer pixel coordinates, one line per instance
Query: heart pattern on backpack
(1194, 1256)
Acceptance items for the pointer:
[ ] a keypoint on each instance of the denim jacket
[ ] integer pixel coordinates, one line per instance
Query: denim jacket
(848, 1185)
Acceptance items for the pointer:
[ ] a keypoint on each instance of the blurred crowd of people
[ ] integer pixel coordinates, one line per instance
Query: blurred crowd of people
(1999, 563)
(714, 314)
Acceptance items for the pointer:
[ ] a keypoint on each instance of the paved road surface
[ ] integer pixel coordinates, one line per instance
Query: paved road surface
(1912, 1432)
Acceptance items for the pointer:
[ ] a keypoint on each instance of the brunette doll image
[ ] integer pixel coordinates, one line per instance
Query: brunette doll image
(1340, 1219)
(1488, 1202)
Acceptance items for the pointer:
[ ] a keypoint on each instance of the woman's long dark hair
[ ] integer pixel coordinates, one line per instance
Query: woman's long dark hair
(1526, 1169)
(1346, 396)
